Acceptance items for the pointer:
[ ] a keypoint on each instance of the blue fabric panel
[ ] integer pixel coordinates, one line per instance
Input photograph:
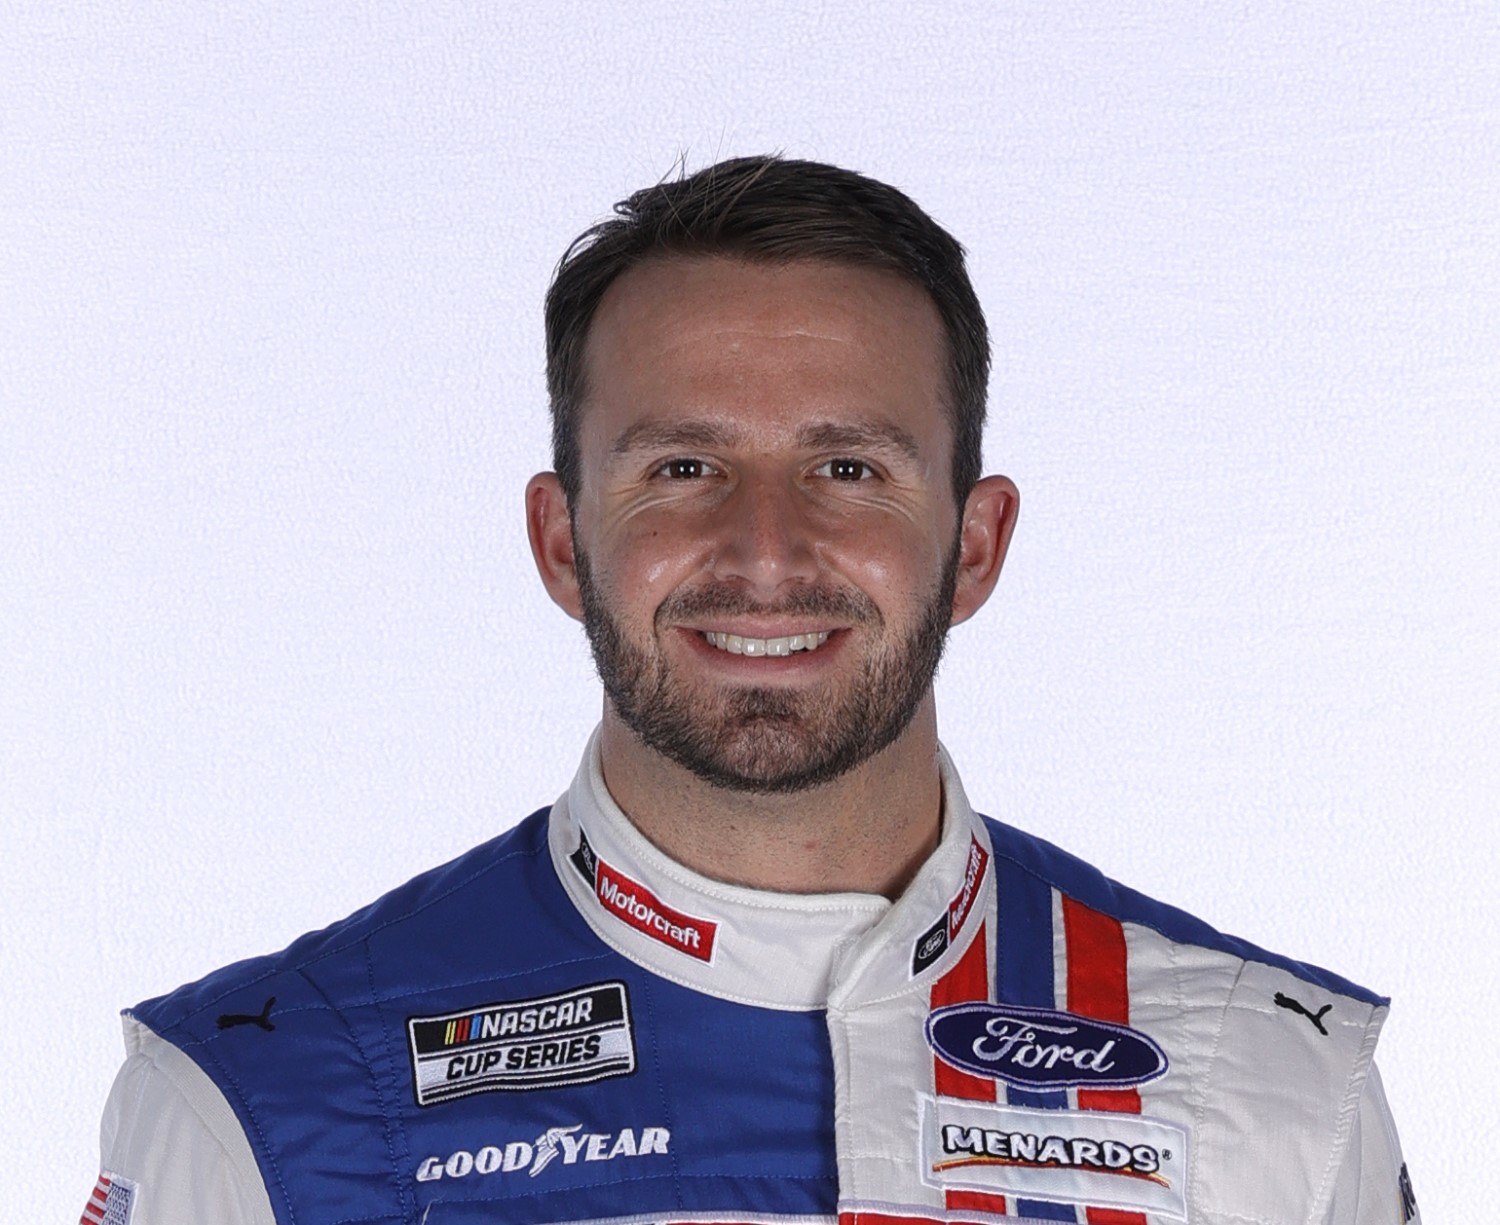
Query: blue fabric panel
(328, 1101)
(1041, 1210)
(1020, 853)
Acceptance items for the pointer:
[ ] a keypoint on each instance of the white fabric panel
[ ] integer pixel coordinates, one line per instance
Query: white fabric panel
(167, 1127)
(1368, 1191)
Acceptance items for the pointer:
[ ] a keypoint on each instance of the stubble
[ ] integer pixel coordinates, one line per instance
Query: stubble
(763, 739)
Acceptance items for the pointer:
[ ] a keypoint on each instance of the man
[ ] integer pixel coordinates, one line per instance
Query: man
(761, 961)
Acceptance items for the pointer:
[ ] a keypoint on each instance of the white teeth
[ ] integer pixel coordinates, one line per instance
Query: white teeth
(737, 645)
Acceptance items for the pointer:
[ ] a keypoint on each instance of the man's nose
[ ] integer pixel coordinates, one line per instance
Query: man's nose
(765, 536)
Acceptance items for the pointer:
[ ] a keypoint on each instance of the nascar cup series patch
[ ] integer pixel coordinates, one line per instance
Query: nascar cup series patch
(572, 1038)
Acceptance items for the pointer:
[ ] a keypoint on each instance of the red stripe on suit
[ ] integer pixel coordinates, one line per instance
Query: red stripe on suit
(1098, 987)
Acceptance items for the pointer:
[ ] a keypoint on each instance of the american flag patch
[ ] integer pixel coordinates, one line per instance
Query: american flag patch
(110, 1203)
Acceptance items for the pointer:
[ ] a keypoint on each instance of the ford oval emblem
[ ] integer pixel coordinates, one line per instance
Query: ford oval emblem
(1038, 1048)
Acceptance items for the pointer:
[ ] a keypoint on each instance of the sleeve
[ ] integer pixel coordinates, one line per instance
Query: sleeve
(1373, 1187)
(169, 1135)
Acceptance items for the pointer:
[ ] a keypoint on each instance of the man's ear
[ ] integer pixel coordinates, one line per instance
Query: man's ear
(984, 532)
(549, 527)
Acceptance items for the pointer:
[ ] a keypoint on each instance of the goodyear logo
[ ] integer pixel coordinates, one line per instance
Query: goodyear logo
(571, 1038)
(563, 1145)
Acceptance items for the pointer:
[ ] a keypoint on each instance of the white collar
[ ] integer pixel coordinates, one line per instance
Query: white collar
(775, 950)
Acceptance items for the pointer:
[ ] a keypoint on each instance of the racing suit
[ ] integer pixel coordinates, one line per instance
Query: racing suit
(563, 1025)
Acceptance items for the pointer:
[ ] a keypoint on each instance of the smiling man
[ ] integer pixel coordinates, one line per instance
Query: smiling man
(761, 961)
(765, 542)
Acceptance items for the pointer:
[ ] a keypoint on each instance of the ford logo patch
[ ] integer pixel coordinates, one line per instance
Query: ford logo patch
(1037, 1048)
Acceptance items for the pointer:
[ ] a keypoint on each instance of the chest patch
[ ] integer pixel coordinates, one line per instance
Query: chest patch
(572, 1038)
(1072, 1156)
(1040, 1048)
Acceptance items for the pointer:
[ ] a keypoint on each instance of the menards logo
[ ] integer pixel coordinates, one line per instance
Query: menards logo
(967, 1146)
(1107, 1159)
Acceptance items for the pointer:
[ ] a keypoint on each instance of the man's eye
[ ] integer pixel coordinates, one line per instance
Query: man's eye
(684, 469)
(846, 470)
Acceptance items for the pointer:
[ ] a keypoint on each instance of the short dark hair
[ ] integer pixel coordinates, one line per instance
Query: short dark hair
(769, 210)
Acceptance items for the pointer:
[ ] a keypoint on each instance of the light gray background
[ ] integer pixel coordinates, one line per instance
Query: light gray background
(271, 384)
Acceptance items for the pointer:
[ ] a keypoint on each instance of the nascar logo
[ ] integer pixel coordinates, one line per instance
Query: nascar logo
(520, 1019)
(575, 1037)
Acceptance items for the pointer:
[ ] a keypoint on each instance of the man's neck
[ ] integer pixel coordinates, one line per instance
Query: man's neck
(866, 832)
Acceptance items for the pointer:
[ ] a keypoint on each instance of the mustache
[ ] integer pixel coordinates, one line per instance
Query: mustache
(726, 600)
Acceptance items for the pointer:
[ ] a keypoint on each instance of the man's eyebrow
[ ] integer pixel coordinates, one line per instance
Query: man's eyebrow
(670, 436)
(859, 436)
(813, 436)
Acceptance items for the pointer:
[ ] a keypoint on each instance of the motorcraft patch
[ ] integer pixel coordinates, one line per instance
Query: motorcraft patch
(636, 906)
(572, 1038)
(934, 942)
(1104, 1160)
(1040, 1048)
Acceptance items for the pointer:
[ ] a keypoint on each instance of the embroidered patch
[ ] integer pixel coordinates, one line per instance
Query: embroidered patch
(573, 1038)
(1039, 1048)
(636, 906)
(931, 945)
(111, 1203)
(530, 1157)
(1104, 1160)
(933, 942)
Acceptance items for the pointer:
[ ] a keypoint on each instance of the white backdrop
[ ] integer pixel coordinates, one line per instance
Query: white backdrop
(271, 383)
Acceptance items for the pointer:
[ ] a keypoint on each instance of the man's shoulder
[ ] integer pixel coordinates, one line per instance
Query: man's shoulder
(377, 950)
(1017, 851)
(1258, 1053)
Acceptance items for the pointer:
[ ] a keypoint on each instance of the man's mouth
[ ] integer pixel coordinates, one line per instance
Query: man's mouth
(737, 644)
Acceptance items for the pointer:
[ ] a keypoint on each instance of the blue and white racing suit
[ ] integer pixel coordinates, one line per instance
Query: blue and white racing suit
(564, 1025)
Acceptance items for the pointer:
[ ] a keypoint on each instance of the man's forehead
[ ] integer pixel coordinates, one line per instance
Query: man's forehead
(815, 298)
(712, 352)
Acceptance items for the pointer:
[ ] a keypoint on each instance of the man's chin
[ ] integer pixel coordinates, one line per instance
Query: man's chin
(761, 752)
(758, 778)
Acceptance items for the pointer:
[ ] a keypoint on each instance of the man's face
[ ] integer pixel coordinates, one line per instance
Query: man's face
(765, 537)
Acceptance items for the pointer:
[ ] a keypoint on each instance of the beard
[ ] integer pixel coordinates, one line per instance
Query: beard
(769, 740)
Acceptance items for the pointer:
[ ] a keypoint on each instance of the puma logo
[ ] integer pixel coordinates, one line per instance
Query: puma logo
(1287, 1002)
(228, 1020)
